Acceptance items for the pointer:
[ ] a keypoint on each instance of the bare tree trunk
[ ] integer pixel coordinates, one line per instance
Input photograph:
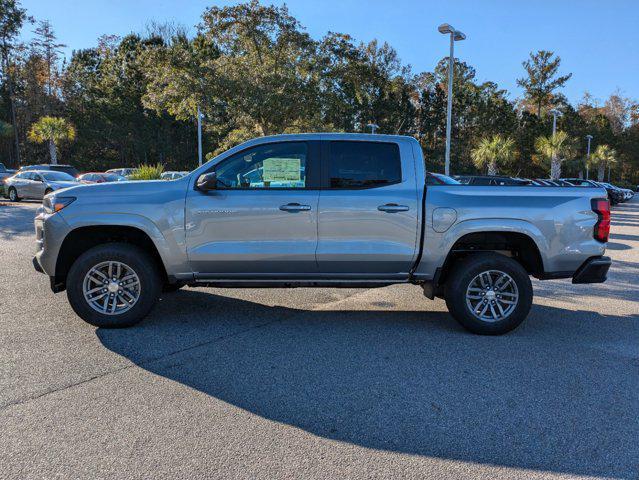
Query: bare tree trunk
(601, 171)
(555, 169)
(492, 168)
(54, 153)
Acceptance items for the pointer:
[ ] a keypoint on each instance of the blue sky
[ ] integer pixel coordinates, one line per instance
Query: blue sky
(597, 41)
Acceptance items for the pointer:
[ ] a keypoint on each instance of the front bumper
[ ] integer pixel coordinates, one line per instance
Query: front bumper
(36, 265)
(593, 270)
(50, 231)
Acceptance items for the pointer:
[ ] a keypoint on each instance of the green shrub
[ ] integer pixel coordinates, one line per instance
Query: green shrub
(148, 172)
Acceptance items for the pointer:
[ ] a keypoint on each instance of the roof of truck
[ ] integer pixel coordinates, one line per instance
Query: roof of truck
(334, 135)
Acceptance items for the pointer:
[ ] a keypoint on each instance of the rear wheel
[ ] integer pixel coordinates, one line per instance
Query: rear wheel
(13, 194)
(113, 285)
(489, 293)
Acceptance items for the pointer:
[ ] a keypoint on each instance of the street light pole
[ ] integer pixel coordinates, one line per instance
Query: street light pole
(449, 105)
(199, 136)
(455, 35)
(555, 113)
(588, 137)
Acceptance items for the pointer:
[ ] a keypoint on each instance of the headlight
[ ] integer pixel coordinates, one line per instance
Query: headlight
(53, 204)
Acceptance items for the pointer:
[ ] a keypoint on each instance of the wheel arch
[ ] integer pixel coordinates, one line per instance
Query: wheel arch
(81, 239)
(521, 246)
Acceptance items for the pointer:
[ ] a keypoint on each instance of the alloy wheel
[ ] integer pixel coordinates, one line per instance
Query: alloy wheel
(492, 296)
(111, 287)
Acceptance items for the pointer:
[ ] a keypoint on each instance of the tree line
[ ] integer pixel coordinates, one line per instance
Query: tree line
(253, 70)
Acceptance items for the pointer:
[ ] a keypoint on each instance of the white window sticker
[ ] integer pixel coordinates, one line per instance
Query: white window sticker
(281, 170)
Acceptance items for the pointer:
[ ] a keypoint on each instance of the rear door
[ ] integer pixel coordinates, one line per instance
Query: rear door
(261, 221)
(368, 209)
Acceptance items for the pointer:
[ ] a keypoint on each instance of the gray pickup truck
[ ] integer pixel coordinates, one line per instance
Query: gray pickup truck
(319, 210)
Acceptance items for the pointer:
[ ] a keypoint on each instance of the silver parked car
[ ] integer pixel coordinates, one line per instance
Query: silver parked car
(172, 175)
(123, 172)
(35, 184)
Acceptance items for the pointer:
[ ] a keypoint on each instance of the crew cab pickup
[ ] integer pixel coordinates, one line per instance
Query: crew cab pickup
(319, 210)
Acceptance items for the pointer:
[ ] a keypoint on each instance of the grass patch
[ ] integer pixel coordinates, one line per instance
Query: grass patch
(148, 172)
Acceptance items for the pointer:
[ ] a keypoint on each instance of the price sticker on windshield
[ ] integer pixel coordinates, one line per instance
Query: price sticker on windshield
(281, 170)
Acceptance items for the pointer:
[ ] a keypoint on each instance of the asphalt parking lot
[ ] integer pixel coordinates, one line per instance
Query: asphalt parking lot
(326, 383)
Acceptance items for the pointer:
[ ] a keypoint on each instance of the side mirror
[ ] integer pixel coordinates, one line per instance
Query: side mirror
(206, 182)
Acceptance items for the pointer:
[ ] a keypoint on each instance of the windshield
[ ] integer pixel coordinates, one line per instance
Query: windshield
(57, 177)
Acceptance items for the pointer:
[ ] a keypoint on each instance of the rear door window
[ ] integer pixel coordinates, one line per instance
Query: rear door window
(363, 164)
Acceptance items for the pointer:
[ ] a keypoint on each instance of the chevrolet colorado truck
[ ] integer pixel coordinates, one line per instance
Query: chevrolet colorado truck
(319, 210)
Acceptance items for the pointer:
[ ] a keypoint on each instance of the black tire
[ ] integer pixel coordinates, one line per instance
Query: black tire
(144, 266)
(460, 279)
(13, 194)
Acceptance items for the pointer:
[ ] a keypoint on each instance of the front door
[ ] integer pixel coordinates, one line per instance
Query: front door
(368, 209)
(21, 184)
(29, 187)
(262, 218)
(37, 186)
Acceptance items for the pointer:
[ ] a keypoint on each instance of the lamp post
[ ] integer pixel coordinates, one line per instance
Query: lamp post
(373, 127)
(555, 113)
(200, 116)
(455, 36)
(589, 138)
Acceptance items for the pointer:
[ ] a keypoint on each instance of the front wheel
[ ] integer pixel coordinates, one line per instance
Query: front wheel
(13, 195)
(113, 285)
(489, 293)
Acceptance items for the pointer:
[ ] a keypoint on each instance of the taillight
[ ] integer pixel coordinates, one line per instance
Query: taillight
(602, 228)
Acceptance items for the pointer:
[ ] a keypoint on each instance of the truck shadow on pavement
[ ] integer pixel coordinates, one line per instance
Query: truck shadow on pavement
(551, 396)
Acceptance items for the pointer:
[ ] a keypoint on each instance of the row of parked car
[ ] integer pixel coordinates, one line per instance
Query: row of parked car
(615, 194)
(36, 181)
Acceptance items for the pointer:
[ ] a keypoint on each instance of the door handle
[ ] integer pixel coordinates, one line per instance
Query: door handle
(392, 208)
(295, 207)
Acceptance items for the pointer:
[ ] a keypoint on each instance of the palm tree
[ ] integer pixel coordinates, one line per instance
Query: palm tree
(53, 130)
(602, 157)
(556, 149)
(492, 152)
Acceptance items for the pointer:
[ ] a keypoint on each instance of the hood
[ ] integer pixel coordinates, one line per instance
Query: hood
(125, 190)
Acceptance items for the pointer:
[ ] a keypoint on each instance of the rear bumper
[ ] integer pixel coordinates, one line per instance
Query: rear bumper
(593, 270)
